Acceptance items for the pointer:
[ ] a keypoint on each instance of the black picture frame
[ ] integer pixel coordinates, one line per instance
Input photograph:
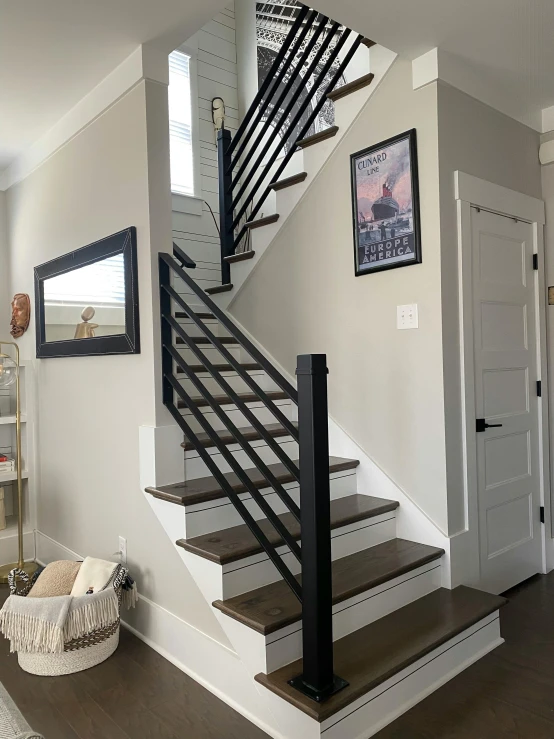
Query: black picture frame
(382, 241)
(124, 242)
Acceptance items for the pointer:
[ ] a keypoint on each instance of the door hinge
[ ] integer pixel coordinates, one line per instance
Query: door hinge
(542, 514)
(539, 389)
(535, 261)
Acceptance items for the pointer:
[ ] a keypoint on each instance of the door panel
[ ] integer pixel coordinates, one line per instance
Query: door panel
(505, 353)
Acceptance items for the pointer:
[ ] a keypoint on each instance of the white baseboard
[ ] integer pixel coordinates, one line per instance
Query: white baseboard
(215, 666)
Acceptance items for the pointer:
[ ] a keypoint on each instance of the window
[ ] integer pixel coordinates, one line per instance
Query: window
(180, 124)
(101, 283)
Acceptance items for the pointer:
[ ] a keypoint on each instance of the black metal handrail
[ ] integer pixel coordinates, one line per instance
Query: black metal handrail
(282, 114)
(314, 590)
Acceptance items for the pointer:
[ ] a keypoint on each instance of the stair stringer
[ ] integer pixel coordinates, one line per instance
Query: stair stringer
(310, 160)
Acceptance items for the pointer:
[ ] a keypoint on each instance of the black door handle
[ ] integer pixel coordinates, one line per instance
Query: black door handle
(481, 425)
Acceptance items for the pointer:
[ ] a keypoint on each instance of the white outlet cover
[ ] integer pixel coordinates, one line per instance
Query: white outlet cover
(407, 316)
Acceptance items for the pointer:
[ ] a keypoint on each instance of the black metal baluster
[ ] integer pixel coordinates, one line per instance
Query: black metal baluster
(317, 680)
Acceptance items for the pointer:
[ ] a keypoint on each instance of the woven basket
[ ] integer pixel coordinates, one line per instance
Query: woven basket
(78, 654)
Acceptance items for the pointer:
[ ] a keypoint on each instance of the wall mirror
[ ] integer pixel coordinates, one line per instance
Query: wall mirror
(86, 302)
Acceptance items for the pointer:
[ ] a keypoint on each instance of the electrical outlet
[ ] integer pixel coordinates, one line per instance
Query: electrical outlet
(406, 316)
(123, 550)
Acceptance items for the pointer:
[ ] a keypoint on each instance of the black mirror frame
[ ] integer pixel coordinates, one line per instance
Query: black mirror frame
(124, 242)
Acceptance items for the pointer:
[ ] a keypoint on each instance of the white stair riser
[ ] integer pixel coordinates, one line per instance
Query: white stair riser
(195, 467)
(257, 571)
(193, 330)
(221, 582)
(262, 413)
(355, 613)
(370, 713)
(213, 354)
(269, 653)
(215, 515)
(232, 378)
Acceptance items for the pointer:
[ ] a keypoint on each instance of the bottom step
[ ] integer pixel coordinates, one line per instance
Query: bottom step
(376, 653)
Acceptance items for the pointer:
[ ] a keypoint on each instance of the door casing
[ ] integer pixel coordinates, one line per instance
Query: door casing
(471, 192)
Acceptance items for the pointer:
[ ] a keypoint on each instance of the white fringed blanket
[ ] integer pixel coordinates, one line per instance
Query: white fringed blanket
(44, 624)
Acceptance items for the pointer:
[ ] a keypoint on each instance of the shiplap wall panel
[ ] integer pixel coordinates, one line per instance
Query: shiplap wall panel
(216, 65)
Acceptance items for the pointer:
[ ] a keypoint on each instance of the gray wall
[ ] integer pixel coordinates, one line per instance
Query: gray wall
(114, 174)
(480, 141)
(385, 385)
(4, 270)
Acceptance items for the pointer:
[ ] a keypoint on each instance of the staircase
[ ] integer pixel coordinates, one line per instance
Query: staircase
(341, 625)
(275, 156)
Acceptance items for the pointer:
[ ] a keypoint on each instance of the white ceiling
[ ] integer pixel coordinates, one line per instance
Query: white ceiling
(508, 43)
(53, 52)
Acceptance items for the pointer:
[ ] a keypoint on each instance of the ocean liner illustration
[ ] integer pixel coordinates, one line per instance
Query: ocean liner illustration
(386, 206)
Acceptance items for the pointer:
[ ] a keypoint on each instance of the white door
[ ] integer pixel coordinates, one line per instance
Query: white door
(506, 402)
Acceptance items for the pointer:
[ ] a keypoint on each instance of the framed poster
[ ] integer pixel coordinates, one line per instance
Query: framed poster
(385, 204)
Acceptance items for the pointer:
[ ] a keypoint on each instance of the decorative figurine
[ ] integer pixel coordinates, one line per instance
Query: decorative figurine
(21, 315)
(85, 330)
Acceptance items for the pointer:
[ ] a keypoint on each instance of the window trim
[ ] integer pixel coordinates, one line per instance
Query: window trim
(192, 52)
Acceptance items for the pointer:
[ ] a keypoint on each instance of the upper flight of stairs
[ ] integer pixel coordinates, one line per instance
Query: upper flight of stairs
(311, 155)
(398, 633)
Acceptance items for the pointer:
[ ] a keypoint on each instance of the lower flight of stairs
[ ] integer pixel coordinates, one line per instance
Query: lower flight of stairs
(398, 634)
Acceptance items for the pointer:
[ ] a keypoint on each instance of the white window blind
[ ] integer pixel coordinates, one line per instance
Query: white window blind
(180, 124)
(98, 284)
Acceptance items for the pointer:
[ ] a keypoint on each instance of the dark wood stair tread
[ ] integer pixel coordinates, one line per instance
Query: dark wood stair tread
(219, 289)
(274, 606)
(230, 545)
(246, 366)
(368, 43)
(240, 257)
(265, 221)
(353, 86)
(377, 652)
(275, 430)
(294, 179)
(227, 400)
(207, 488)
(315, 138)
(205, 340)
(203, 316)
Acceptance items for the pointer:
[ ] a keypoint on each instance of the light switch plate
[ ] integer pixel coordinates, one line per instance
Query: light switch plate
(406, 316)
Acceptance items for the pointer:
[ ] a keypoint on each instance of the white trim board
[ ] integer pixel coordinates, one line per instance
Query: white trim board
(213, 665)
(498, 199)
(473, 191)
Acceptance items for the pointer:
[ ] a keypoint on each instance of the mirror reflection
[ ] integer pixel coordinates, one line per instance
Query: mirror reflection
(86, 302)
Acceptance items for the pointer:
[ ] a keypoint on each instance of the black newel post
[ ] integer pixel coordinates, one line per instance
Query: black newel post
(225, 202)
(317, 680)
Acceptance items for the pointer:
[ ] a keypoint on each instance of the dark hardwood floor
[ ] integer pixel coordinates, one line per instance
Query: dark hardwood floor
(509, 694)
(137, 694)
